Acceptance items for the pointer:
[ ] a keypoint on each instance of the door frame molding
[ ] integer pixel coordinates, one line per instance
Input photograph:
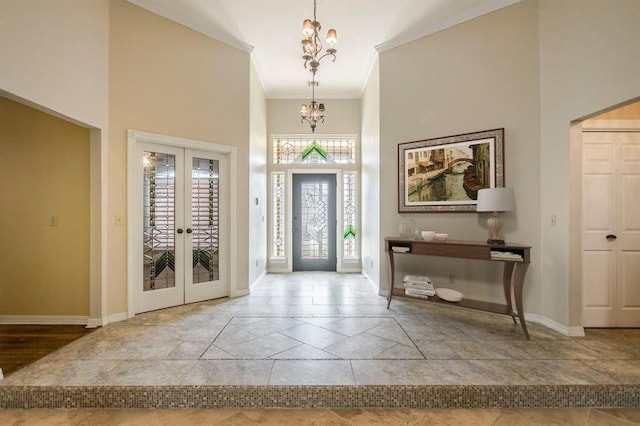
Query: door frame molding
(133, 138)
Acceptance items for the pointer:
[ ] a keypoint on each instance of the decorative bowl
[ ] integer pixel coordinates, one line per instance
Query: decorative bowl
(428, 235)
(441, 237)
(449, 295)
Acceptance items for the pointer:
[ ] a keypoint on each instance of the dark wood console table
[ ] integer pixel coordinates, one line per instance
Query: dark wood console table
(515, 269)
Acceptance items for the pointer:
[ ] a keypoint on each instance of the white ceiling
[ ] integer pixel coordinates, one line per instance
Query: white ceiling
(270, 30)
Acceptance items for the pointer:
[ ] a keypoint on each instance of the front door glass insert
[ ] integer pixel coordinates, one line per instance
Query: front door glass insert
(315, 230)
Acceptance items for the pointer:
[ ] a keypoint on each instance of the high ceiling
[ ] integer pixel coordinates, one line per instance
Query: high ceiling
(271, 31)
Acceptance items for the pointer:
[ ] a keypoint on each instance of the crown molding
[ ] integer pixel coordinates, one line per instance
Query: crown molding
(428, 28)
(174, 15)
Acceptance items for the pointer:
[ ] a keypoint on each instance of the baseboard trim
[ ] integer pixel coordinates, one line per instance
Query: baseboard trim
(94, 322)
(120, 316)
(349, 269)
(240, 293)
(257, 281)
(373, 285)
(560, 328)
(44, 319)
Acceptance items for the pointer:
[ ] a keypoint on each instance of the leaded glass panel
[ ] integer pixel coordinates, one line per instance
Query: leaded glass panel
(205, 210)
(278, 188)
(159, 255)
(319, 150)
(315, 231)
(350, 246)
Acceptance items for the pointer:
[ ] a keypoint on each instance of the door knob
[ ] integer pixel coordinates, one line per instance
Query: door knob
(189, 230)
(611, 237)
(179, 231)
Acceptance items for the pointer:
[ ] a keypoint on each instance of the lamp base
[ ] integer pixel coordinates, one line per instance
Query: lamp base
(495, 242)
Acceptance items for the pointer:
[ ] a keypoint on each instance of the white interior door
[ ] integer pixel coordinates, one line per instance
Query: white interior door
(611, 229)
(179, 226)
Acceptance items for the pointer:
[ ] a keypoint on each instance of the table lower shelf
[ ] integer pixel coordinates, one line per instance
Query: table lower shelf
(479, 305)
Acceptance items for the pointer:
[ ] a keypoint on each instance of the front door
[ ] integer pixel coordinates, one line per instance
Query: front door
(611, 229)
(314, 222)
(179, 227)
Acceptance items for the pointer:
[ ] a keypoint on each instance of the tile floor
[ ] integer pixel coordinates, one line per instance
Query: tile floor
(315, 417)
(328, 329)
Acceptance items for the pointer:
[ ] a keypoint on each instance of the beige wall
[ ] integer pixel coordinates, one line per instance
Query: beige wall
(258, 194)
(170, 80)
(44, 171)
(342, 116)
(589, 62)
(479, 75)
(370, 182)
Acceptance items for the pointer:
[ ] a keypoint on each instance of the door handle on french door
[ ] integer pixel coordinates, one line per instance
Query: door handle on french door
(179, 231)
(189, 230)
(611, 237)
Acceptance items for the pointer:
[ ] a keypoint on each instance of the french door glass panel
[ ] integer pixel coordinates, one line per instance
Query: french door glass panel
(205, 208)
(159, 255)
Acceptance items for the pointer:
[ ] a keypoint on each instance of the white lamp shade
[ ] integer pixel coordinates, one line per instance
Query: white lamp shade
(496, 200)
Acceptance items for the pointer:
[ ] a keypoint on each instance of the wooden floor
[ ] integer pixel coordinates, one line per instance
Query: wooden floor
(21, 345)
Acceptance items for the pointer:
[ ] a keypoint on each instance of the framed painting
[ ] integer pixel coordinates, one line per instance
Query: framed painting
(444, 174)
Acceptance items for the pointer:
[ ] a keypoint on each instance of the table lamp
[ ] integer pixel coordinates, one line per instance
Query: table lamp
(495, 200)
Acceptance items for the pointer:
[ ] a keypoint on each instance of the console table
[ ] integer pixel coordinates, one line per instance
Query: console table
(514, 257)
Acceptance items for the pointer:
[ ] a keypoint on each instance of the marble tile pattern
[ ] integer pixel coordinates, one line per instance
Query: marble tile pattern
(327, 340)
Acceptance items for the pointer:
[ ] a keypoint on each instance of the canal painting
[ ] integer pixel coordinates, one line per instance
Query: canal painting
(445, 174)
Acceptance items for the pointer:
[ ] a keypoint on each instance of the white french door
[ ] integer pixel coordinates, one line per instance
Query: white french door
(179, 226)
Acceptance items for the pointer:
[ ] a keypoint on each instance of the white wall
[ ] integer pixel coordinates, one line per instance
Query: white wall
(589, 61)
(479, 75)
(54, 55)
(257, 179)
(372, 246)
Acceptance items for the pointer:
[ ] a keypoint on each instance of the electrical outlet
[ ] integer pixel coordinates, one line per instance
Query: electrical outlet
(53, 220)
(554, 220)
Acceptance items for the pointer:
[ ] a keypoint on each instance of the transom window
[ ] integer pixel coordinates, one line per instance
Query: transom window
(318, 150)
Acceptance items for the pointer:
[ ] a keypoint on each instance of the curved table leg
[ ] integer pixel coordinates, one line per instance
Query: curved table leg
(393, 274)
(507, 275)
(521, 271)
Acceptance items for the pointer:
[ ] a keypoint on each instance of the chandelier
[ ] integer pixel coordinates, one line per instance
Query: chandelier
(311, 44)
(313, 112)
